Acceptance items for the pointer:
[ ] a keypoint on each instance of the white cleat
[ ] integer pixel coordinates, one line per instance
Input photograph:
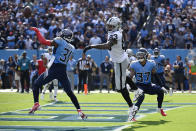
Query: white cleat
(82, 115)
(138, 93)
(132, 112)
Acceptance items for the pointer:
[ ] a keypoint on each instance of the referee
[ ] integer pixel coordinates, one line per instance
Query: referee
(82, 69)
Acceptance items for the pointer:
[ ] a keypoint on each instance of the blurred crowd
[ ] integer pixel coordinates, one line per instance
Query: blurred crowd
(174, 26)
(85, 17)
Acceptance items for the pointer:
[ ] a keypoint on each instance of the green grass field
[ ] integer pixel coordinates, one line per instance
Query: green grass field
(105, 112)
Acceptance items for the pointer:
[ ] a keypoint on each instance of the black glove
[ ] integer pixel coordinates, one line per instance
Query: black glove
(86, 48)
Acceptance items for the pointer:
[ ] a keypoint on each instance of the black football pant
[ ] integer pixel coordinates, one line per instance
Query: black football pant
(25, 77)
(82, 80)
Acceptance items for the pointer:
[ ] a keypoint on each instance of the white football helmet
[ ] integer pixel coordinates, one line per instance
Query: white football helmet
(113, 24)
(129, 52)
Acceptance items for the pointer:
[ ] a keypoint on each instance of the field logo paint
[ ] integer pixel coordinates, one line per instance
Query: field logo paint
(112, 112)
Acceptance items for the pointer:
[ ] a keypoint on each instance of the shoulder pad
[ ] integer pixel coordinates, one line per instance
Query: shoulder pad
(151, 61)
(162, 56)
(58, 38)
(134, 62)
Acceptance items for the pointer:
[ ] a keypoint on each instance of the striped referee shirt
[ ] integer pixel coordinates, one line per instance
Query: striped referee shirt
(83, 64)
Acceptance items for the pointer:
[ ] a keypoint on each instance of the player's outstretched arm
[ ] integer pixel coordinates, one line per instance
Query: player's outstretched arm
(106, 46)
(41, 39)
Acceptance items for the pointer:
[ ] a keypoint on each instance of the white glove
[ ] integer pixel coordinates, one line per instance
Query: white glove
(164, 90)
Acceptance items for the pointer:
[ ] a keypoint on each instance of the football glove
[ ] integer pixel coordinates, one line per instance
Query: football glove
(164, 90)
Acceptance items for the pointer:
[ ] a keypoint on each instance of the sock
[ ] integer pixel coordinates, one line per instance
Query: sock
(160, 99)
(55, 90)
(36, 94)
(73, 99)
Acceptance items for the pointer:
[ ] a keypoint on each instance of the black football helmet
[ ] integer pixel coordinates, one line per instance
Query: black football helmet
(66, 34)
(142, 54)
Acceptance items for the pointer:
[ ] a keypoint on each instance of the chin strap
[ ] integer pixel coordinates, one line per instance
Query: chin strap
(41, 39)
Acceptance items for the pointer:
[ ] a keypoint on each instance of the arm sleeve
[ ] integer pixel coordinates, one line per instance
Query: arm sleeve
(41, 39)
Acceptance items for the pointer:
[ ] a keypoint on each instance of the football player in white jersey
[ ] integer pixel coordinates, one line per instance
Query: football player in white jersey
(53, 83)
(119, 58)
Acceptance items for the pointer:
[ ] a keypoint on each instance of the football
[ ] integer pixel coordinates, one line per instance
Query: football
(27, 11)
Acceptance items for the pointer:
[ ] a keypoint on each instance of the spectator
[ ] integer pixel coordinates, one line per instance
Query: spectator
(28, 42)
(168, 43)
(188, 37)
(105, 73)
(57, 29)
(79, 40)
(17, 73)
(95, 40)
(179, 39)
(155, 43)
(132, 35)
(11, 40)
(21, 43)
(43, 31)
(2, 42)
(10, 71)
(178, 73)
(25, 67)
(35, 44)
(169, 78)
(71, 66)
(147, 3)
(167, 62)
(51, 28)
(176, 20)
(87, 35)
(144, 36)
(3, 73)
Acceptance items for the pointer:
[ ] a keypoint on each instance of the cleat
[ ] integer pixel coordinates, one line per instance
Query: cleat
(138, 93)
(162, 112)
(132, 112)
(82, 115)
(34, 108)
